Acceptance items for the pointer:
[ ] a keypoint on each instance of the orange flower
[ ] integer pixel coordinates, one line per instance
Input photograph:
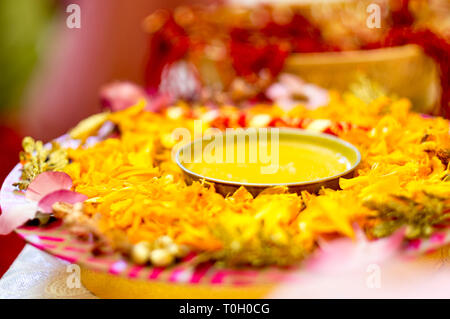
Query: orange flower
(134, 186)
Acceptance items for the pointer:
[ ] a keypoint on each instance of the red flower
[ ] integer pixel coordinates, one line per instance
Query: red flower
(169, 44)
(400, 14)
(300, 33)
(249, 59)
(253, 50)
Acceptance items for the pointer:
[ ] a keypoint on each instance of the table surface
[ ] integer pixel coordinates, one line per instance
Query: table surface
(38, 275)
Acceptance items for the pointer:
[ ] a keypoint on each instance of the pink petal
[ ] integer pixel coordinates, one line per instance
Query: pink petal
(292, 83)
(158, 102)
(277, 91)
(345, 254)
(121, 95)
(62, 195)
(46, 183)
(316, 96)
(16, 216)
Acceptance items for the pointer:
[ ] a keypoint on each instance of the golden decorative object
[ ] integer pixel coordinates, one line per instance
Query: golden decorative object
(108, 286)
(404, 71)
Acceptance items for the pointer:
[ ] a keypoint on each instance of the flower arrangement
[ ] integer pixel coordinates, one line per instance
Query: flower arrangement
(118, 185)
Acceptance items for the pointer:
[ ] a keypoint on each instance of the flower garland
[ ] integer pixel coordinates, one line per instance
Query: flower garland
(138, 202)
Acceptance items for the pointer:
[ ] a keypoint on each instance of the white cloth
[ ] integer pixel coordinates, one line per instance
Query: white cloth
(37, 275)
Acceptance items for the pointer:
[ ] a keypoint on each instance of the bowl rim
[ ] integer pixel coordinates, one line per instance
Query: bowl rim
(298, 131)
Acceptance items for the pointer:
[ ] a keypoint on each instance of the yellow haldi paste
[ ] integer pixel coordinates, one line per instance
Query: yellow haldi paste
(295, 162)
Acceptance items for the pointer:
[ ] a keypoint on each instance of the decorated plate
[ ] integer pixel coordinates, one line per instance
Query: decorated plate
(115, 277)
(142, 231)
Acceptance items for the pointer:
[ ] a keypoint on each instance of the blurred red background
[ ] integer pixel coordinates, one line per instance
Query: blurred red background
(52, 74)
(11, 244)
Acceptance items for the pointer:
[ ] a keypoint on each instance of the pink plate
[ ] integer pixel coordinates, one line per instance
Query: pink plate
(57, 241)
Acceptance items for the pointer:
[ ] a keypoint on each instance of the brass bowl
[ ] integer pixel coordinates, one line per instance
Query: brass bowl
(405, 71)
(225, 187)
